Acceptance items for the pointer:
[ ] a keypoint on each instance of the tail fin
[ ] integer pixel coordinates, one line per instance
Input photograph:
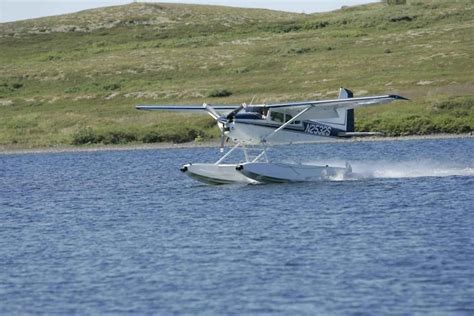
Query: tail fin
(348, 114)
(348, 117)
(345, 93)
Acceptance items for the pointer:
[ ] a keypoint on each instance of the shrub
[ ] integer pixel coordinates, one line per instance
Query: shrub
(315, 25)
(175, 138)
(85, 136)
(282, 28)
(118, 137)
(295, 26)
(113, 86)
(17, 85)
(54, 57)
(242, 70)
(72, 90)
(300, 50)
(402, 18)
(219, 93)
(396, 2)
(152, 137)
(90, 136)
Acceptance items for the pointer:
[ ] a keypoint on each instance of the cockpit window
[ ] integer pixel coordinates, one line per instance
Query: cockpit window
(282, 117)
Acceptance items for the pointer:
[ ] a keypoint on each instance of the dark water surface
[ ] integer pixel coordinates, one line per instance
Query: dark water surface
(126, 232)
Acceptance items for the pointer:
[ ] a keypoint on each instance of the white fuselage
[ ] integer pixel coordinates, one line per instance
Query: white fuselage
(256, 131)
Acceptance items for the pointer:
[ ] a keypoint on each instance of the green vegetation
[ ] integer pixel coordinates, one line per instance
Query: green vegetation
(396, 2)
(452, 115)
(74, 79)
(219, 93)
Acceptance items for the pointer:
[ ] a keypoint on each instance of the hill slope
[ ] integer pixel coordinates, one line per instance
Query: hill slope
(75, 78)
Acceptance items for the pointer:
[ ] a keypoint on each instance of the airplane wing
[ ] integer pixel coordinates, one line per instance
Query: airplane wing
(221, 109)
(314, 109)
(335, 104)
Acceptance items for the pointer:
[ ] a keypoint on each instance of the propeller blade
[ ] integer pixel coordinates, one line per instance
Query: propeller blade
(212, 112)
(232, 114)
(222, 141)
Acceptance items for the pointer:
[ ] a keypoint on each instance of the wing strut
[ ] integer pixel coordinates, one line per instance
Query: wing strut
(227, 154)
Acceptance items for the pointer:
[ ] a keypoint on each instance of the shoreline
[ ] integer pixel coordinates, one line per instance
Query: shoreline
(207, 144)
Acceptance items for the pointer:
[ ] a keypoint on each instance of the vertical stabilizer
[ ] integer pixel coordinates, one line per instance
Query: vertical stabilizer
(349, 114)
(345, 93)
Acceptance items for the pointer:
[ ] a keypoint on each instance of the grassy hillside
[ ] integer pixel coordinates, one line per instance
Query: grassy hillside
(75, 78)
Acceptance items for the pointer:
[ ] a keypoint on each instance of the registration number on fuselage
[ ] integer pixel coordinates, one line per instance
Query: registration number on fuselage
(317, 129)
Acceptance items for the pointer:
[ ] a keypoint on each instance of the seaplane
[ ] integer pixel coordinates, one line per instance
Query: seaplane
(255, 128)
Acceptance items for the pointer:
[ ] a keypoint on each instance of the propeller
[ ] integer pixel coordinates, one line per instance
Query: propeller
(222, 121)
(230, 117)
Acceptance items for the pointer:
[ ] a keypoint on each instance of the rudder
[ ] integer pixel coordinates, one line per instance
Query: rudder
(346, 94)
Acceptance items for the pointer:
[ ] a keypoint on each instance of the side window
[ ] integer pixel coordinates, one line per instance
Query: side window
(288, 117)
(277, 116)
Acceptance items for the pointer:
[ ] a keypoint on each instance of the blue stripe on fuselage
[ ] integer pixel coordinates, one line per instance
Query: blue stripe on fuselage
(308, 127)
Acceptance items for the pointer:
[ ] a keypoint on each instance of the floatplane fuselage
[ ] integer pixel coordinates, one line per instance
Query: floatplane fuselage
(262, 125)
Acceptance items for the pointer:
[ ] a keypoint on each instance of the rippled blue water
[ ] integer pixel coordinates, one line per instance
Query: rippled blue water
(125, 231)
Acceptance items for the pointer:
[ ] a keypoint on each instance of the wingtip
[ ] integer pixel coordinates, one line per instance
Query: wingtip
(142, 106)
(398, 97)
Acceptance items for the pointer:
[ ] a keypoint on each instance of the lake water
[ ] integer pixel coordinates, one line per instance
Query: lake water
(127, 232)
